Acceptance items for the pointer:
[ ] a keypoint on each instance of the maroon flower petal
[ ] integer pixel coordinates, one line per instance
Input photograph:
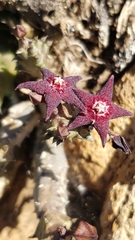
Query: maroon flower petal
(119, 112)
(72, 79)
(86, 98)
(119, 143)
(46, 73)
(107, 90)
(51, 103)
(102, 129)
(35, 86)
(54, 89)
(99, 110)
(80, 120)
(73, 99)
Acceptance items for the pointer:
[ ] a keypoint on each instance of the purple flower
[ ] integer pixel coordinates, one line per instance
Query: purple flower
(100, 109)
(119, 143)
(53, 89)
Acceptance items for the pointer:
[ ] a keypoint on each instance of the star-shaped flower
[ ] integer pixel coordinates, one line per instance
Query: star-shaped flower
(53, 90)
(100, 109)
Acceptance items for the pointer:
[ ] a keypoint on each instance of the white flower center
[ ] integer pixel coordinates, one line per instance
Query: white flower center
(58, 81)
(100, 108)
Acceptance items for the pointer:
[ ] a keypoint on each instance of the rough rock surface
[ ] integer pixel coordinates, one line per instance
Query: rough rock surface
(118, 214)
(93, 39)
(85, 167)
(18, 218)
(114, 169)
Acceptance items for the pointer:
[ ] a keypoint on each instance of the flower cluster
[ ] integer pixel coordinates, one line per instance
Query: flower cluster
(94, 110)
